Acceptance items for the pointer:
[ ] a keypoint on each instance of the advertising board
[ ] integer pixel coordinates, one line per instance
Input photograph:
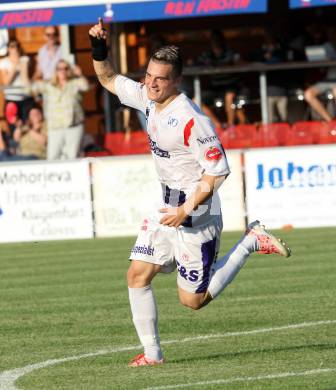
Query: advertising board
(310, 3)
(292, 186)
(126, 190)
(45, 201)
(25, 13)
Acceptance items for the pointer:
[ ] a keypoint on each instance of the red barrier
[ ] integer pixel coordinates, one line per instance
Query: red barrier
(118, 143)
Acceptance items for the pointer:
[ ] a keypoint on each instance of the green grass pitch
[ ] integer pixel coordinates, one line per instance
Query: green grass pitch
(67, 299)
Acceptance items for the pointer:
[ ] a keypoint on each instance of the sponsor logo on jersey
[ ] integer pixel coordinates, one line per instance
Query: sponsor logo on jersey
(143, 249)
(156, 150)
(213, 154)
(208, 139)
(191, 275)
(172, 122)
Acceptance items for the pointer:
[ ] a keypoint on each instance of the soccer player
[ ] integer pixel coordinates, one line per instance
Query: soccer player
(191, 165)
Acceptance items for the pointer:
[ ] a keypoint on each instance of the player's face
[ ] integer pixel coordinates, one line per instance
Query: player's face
(159, 81)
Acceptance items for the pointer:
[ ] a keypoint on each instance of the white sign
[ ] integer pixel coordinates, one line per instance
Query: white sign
(292, 186)
(45, 201)
(126, 190)
(231, 194)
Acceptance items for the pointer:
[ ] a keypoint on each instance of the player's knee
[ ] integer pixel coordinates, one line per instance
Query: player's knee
(140, 274)
(193, 304)
(134, 277)
(130, 276)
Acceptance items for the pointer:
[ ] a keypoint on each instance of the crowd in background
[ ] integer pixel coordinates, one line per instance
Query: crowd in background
(43, 113)
(291, 94)
(44, 116)
(281, 85)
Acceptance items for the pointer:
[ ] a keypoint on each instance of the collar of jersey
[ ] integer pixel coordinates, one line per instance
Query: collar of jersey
(172, 105)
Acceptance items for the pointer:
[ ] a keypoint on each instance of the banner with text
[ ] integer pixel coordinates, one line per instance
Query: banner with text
(310, 3)
(53, 12)
(45, 201)
(292, 186)
(126, 190)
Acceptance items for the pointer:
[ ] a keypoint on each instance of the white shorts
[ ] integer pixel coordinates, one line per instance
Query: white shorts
(191, 250)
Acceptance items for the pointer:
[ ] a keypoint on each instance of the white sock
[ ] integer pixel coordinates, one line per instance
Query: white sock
(226, 268)
(145, 319)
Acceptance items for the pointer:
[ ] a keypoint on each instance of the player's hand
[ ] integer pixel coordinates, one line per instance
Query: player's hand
(174, 217)
(98, 30)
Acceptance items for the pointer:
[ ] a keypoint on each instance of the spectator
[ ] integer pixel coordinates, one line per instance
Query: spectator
(64, 113)
(312, 93)
(32, 137)
(48, 55)
(271, 52)
(14, 69)
(4, 149)
(220, 54)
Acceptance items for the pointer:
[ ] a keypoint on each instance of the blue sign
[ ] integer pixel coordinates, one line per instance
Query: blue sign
(310, 3)
(119, 11)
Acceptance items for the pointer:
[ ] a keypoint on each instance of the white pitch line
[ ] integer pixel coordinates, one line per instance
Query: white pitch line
(9, 377)
(244, 379)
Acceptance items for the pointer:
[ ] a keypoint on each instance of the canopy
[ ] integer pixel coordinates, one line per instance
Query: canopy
(24, 13)
(310, 3)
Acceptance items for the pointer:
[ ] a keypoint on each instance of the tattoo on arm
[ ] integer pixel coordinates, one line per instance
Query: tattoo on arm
(105, 74)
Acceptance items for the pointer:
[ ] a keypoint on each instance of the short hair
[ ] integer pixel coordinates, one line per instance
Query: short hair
(169, 55)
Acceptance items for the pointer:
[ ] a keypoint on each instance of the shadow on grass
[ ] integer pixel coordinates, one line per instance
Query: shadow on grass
(255, 351)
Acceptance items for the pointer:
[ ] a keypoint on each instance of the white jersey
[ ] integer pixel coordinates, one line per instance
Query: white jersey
(184, 147)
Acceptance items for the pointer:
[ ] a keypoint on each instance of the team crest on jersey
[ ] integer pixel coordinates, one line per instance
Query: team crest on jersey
(172, 122)
(213, 154)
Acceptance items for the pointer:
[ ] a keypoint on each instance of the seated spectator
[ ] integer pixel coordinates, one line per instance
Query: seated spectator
(220, 54)
(5, 152)
(312, 93)
(14, 69)
(30, 139)
(32, 136)
(64, 113)
(48, 55)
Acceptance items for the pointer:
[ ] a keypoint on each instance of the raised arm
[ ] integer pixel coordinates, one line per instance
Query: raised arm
(102, 66)
(8, 75)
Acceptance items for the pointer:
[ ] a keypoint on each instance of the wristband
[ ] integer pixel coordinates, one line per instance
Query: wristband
(99, 48)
